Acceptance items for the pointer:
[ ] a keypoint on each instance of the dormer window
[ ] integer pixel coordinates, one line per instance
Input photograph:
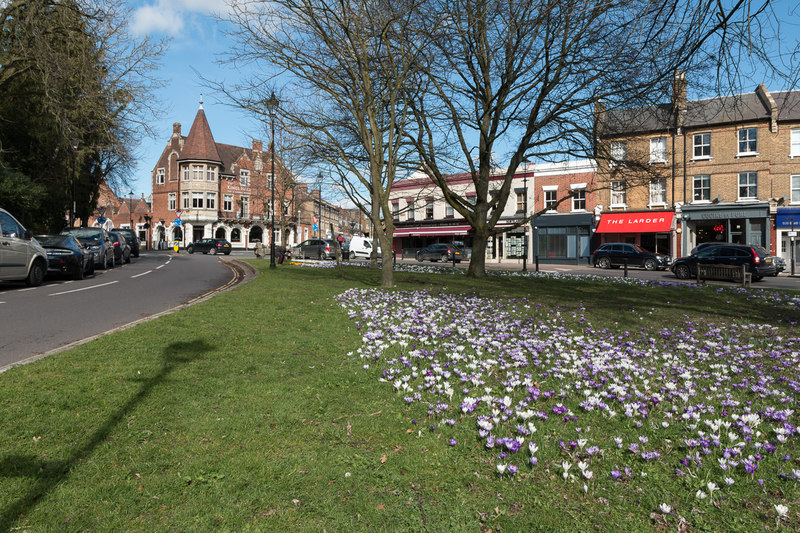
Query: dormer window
(244, 178)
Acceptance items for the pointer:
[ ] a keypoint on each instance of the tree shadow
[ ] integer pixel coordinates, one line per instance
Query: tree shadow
(49, 474)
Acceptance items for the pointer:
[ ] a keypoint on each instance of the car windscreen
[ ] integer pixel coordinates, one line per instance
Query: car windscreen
(54, 241)
(86, 235)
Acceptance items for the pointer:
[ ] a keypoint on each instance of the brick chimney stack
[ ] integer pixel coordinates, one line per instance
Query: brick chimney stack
(176, 129)
(258, 146)
(679, 101)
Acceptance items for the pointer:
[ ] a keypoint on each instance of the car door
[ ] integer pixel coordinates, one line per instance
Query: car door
(14, 248)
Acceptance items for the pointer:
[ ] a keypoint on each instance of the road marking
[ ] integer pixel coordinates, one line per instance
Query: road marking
(30, 289)
(142, 274)
(84, 288)
(162, 266)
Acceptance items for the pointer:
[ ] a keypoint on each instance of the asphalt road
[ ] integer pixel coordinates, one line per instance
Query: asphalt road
(60, 312)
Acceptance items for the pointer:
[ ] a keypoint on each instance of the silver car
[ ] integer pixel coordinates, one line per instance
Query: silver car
(21, 256)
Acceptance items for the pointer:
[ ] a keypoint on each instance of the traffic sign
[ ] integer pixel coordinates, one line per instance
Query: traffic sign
(178, 222)
(101, 220)
(792, 234)
(178, 213)
(315, 227)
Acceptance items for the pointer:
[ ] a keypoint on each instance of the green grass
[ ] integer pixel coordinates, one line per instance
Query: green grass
(245, 413)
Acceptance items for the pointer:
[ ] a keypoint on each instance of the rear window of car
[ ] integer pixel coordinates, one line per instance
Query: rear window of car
(53, 240)
(85, 234)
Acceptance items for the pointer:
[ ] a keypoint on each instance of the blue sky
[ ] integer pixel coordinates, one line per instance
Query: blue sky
(198, 40)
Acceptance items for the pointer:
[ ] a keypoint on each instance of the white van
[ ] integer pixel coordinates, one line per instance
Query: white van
(361, 247)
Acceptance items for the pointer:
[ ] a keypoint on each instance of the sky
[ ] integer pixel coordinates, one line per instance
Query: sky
(198, 41)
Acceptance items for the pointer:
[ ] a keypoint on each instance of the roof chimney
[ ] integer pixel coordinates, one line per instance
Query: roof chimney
(679, 103)
(258, 146)
(769, 103)
(176, 129)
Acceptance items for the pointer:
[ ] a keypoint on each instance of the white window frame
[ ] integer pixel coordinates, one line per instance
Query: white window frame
(186, 172)
(227, 202)
(658, 192)
(658, 150)
(578, 198)
(244, 177)
(748, 181)
(550, 196)
(197, 200)
(396, 210)
(172, 200)
(211, 200)
(197, 172)
(449, 212)
(211, 173)
(245, 206)
(794, 183)
(429, 209)
(794, 143)
(748, 139)
(699, 186)
(160, 176)
(410, 214)
(618, 192)
(186, 202)
(701, 142)
(619, 152)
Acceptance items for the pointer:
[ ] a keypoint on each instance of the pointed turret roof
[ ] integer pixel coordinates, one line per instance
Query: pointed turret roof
(200, 145)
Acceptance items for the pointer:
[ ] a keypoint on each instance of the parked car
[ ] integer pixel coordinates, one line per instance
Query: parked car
(122, 250)
(98, 241)
(132, 238)
(440, 251)
(21, 256)
(777, 261)
(616, 254)
(362, 247)
(756, 259)
(315, 249)
(66, 255)
(210, 246)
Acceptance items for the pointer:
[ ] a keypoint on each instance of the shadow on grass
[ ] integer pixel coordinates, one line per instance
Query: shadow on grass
(49, 474)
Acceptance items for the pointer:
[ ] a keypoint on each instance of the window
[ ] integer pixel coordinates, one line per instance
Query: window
(197, 200)
(197, 172)
(449, 212)
(172, 200)
(701, 188)
(211, 200)
(550, 199)
(245, 206)
(795, 140)
(227, 202)
(796, 189)
(411, 210)
(211, 173)
(748, 185)
(244, 178)
(618, 193)
(658, 191)
(186, 173)
(429, 209)
(619, 151)
(748, 141)
(579, 199)
(472, 198)
(269, 181)
(658, 150)
(185, 197)
(160, 176)
(702, 146)
(396, 210)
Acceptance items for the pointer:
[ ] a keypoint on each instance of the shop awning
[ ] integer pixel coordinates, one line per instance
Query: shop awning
(431, 231)
(650, 222)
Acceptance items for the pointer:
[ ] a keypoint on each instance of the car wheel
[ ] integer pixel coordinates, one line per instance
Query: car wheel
(136, 254)
(213, 251)
(419, 258)
(128, 259)
(105, 261)
(227, 253)
(682, 272)
(36, 273)
(320, 257)
(757, 278)
(650, 264)
(444, 258)
(604, 262)
(80, 274)
(190, 249)
(91, 267)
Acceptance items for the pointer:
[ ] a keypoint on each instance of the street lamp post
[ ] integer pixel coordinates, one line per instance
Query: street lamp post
(319, 218)
(74, 144)
(272, 105)
(525, 215)
(130, 208)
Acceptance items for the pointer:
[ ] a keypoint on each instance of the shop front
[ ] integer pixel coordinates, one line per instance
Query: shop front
(562, 238)
(741, 224)
(787, 235)
(408, 239)
(649, 229)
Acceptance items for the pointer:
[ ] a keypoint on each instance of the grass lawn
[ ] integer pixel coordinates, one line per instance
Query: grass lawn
(309, 401)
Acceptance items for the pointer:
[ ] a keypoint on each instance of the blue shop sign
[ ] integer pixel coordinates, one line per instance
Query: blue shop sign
(785, 218)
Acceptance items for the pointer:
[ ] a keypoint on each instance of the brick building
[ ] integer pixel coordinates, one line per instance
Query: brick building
(720, 169)
(202, 188)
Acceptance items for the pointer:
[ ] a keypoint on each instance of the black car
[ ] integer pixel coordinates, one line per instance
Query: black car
(440, 252)
(616, 254)
(210, 246)
(756, 259)
(122, 250)
(315, 249)
(132, 238)
(96, 240)
(66, 255)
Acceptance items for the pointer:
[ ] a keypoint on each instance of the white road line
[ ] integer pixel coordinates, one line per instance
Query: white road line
(84, 288)
(29, 289)
(142, 274)
(160, 266)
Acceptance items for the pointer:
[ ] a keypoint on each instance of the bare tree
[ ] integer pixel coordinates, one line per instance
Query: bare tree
(525, 76)
(346, 66)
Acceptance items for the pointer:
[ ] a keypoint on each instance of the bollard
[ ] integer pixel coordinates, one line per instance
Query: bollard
(625, 263)
(537, 263)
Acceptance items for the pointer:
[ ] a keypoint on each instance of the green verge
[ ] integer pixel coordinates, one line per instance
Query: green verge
(245, 413)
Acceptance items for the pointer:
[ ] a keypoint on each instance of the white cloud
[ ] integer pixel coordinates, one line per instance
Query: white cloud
(170, 16)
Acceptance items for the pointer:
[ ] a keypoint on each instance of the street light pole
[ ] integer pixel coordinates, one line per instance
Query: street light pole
(74, 143)
(272, 104)
(130, 208)
(525, 215)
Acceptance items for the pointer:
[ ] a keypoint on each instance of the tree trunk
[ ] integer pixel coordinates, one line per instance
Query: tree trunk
(477, 263)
